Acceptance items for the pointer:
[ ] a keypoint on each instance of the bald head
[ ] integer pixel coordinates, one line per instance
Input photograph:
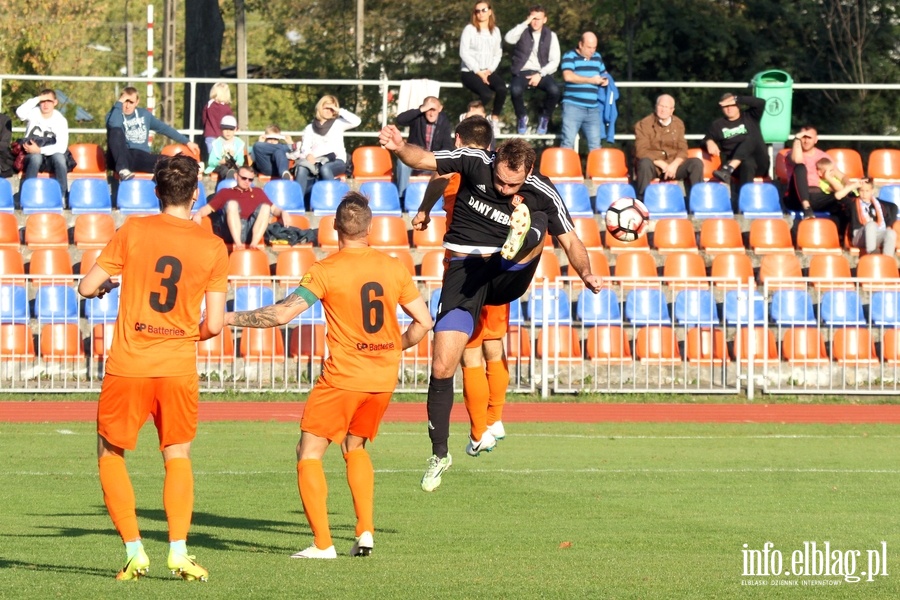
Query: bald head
(587, 45)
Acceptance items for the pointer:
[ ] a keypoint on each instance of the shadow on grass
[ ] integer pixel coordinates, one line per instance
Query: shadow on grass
(6, 563)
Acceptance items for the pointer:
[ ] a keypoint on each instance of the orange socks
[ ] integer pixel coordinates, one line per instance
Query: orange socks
(498, 382)
(118, 494)
(475, 396)
(178, 497)
(361, 479)
(314, 495)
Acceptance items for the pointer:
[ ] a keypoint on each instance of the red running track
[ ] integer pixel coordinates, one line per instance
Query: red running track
(401, 412)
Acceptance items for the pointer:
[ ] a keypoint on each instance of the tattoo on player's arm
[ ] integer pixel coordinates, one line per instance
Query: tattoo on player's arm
(266, 316)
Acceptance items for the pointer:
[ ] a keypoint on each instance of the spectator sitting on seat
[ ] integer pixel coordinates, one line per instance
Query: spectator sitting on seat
(480, 50)
(803, 190)
(227, 152)
(322, 154)
(46, 138)
(870, 222)
(582, 70)
(270, 153)
(218, 107)
(835, 188)
(240, 215)
(660, 148)
(429, 128)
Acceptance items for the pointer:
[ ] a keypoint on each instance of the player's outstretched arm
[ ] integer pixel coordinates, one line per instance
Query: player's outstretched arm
(421, 325)
(212, 325)
(269, 316)
(578, 260)
(413, 156)
(433, 193)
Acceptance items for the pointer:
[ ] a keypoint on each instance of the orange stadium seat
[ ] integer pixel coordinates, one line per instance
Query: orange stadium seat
(781, 165)
(9, 231)
(685, 265)
(642, 244)
(328, 236)
(657, 344)
(101, 339)
(46, 230)
(829, 267)
(733, 266)
(293, 264)
(890, 346)
(766, 350)
(721, 235)
(11, 264)
(561, 164)
(388, 232)
(371, 163)
(405, 257)
(216, 349)
(803, 345)
(770, 235)
(518, 344)
(173, 149)
(674, 235)
(853, 345)
(818, 236)
(607, 164)
(884, 165)
(94, 230)
(608, 344)
(780, 266)
(878, 267)
(563, 343)
(599, 263)
(307, 342)
(418, 355)
(710, 163)
(61, 342)
(88, 258)
(248, 262)
(433, 265)
(847, 161)
(588, 232)
(293, 219)
(16, 341)
(51, 261)
(90, 162)
(638, 266)
(548, 268)
(705, 346)
(431, 237)
(262, 345)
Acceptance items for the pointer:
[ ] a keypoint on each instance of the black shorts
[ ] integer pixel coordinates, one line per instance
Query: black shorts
(471, 283)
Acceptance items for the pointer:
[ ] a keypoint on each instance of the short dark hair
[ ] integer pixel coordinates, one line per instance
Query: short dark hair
(131, 90)
(176, 179)
(475, 131)
(353, 216)
(48, 91)
(516, 153)
(537, 8)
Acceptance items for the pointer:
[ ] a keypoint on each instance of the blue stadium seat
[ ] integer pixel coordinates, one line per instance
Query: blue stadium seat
(601, 308)
(137, 196)
(251, 297)
(841, 308)
(738, 306)
(89, 196)
(760, 201)
(201, 197)
(792, 307)
(226, 183)
(40, 194)
(286, 194)
(102, 310)
(412, 199)
(696, 307)
(664, 201)
(607, 193)
(314, 315)
(402, 317)
(710, 200)
(560, 309)
(647, 307)
(6, 196)
(888, 193)
(577, 199)
(433, 302)
(326, 195)
(13, 304)
(56, 304)
(516, 317)
(383, 198)
(885, 308)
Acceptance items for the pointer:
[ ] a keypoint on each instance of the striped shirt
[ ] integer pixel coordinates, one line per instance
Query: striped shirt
(582, 94)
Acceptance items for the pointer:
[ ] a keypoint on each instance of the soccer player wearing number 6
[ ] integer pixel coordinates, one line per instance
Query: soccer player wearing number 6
(360, 289)
(168, 265)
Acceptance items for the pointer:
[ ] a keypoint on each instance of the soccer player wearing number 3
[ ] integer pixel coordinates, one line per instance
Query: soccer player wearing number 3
(360, 289)
(168, 265)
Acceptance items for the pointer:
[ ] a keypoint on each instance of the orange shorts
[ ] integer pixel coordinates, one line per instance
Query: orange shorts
(492, 325)
(332, 413)
(127, 402)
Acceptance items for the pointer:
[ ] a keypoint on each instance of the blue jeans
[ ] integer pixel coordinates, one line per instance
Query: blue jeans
(576, 117)
(270, 159)
(329, 170)
(55, 163)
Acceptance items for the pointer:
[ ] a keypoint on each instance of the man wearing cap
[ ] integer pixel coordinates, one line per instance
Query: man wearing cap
(227, 151)
(804, 190)
(46, 138)
(128, 136)
(737, 140)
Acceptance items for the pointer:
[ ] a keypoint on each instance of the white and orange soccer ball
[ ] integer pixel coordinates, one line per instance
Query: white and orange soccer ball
(627, 219)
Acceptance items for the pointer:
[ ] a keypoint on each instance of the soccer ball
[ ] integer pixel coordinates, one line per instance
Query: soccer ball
(627, 219)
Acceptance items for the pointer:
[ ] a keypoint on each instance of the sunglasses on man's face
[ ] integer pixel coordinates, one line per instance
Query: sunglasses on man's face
(242, 178)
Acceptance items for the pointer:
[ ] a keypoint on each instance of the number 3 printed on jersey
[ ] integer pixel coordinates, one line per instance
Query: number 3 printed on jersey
(170, 268)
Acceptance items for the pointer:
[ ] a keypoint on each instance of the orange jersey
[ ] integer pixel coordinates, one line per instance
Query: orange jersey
(167, 266)
(360, 289)
(450, 195)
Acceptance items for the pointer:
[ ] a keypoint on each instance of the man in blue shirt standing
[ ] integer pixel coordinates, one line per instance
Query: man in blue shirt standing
(582, 70)
(128, 136)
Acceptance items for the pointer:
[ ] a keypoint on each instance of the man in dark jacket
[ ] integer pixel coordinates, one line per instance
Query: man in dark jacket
(535, 58)
(737, 140)
(429, 128)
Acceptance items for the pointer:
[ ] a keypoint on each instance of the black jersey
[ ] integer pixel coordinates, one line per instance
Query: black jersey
(481, 216)
(729, 134)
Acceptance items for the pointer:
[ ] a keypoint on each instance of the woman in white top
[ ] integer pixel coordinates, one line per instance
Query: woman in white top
(480, 51)
(322, 154)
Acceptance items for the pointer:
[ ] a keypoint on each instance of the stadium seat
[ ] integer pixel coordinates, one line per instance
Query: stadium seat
(818, 236)
(88, 258)
(781, 266)
(637, 266)
(599, 266)
(607, 165)
(710, 200)
(710, 163)
(326, 195)
(705, 346)
(11, 265)
(765, 348)
(828, 268)
(431, 237)
(885, 308)
(770, 235)
(175, 149)
(559, 309)
(563, 343)
(137, 196)
(847, 161)
(853, 345)
(609, 192)
(841, 308)
(588, 232)
(803, 345)
(561, 164)
(14, 304)
(781, 165)
(93, 230)
(327, 235)
(884, 165)
(226, 183)
(61, 342)
(38, 195)
(642, 244)
(434, 302)
(607, 345)
(413, 196)
(251, 297)
(760, 200)
(292, 264)
(9, 230)
(696, 307)
(248, 262)
(548, 268)
(657, 345)
(16, 342)
(46, 230)
(577, 199)
(262, 345)
(732, 266)
(50, 261)
(383, 197)
(56, 304)
(877, 267)
(740, 305)
(371, 163)
(518, 345)
(286, 194)
(685, 266)
(647, 307)
(516, 314)
(102, 310)
(90, 162)
(7, 205)
(307, 343)
(389, 232)
(219, 349)
(674, 235)
(313, 315)
(791, 308)
(102, 335)
(432, 265)
(598, 309)
(890, 193)
(665, 201)
(718, 236)
(890, 346)
(89, 196)
(404, 255)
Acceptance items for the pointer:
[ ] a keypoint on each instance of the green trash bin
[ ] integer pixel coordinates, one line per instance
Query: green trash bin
(777, 89)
